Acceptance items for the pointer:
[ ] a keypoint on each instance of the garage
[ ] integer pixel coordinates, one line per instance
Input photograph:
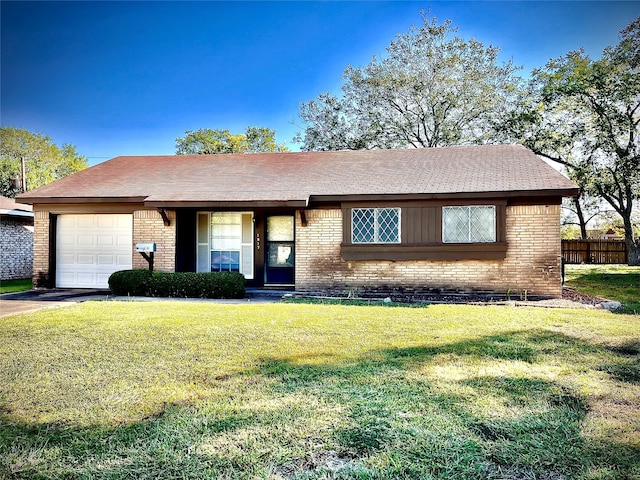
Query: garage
(89, 248)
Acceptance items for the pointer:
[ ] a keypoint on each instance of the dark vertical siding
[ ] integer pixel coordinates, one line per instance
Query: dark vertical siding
(434, 216)
(421, 225)
(411, 225)
(501, 223)
(346, 225)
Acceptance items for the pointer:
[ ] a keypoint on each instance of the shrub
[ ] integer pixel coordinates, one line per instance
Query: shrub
(198, 285)
(130, 282)
(187, 284)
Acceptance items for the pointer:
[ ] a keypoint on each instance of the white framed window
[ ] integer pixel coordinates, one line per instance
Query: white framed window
(469, 224)
(375, 225)
(225, 242)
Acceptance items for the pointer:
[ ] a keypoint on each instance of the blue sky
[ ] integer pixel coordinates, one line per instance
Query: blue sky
(127, 78)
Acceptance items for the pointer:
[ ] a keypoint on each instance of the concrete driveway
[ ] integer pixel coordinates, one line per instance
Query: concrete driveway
(33, 300)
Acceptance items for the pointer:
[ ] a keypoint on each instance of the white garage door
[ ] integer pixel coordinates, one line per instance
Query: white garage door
(89, 248)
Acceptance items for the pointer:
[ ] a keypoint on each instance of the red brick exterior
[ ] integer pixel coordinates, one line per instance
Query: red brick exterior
(532, 263)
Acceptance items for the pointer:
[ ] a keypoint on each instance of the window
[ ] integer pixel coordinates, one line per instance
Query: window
(375, 225)
(225, 242)
(475, 224)
(225, 260)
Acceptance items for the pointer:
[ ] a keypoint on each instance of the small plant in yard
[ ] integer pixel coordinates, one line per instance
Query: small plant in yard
(110, 390)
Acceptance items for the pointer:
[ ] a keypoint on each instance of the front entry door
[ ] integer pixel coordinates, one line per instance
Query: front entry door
(280, 250)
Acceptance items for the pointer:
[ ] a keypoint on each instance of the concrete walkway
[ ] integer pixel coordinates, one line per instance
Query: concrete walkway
(34, 300)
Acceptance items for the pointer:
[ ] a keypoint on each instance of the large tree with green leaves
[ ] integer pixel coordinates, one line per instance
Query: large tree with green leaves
(433, 88)
(207, 141)
(41, 160)
(585, 114)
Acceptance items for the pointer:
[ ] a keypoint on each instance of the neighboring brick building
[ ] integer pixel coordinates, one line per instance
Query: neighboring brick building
(472, 219)
(16, 239)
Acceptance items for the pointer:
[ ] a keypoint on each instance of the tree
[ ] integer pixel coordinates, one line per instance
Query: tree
(430, 90)
(262, 139)
(585, 115)
(207, 141)
(37, 156)
(580, 210)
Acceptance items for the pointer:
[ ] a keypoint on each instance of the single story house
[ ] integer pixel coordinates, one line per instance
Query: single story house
(16, 239)
(469, 218)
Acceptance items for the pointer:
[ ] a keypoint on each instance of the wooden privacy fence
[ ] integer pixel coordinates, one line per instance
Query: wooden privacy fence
(594, 251)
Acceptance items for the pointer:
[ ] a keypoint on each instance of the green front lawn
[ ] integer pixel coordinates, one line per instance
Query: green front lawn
(199, 390)
(10, 286)
(614, 282)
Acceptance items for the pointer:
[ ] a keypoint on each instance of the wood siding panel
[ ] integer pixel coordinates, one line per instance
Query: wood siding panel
(470, 251)
(501, 223)
(346, 225)
(411, 225)
(434, 224)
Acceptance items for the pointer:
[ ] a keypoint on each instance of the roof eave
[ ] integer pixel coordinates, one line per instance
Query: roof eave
(16, 213)
(560, 192)
(79, 200)
(227, 204)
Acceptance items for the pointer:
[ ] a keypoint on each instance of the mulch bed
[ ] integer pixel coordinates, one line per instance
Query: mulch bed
(570, 299)
(578, 297)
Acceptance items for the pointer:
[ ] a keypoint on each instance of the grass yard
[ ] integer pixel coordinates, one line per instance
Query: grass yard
(106, 390)
(10, 286)
(614, 282)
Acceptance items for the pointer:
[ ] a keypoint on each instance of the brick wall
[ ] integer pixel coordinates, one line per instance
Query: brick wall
(16, 245)
(532, 262)
(148, 227)
(41, 248)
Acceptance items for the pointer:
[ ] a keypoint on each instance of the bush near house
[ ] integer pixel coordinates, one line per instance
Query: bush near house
(188, 284)
(130, 282)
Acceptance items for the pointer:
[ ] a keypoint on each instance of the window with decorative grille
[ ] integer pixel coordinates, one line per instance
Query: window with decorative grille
(472, 224)
(375, 225)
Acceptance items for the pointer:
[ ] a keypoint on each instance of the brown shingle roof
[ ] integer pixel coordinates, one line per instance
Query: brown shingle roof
(299, 177)
(10, 204)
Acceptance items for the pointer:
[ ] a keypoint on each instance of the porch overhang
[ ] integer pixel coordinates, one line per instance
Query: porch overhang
(249, 204)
